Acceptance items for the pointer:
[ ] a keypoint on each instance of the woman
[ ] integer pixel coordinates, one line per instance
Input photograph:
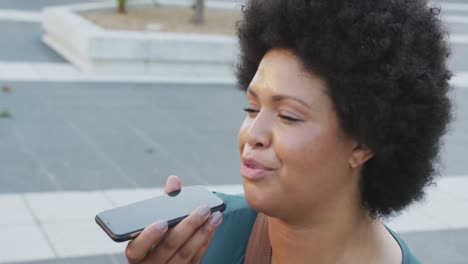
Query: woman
(346, 104)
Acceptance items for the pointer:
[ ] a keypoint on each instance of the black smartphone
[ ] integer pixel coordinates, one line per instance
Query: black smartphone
(126, 222)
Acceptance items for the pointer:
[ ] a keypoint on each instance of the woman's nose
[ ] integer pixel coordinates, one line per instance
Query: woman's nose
(259, 132)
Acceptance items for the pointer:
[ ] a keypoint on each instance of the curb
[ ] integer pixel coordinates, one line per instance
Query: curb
(63, 72)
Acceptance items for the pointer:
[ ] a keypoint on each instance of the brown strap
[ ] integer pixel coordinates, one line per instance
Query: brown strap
(259, 248)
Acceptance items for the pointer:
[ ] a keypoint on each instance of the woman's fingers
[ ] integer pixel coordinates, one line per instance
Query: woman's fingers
(173, 183)
(197, 259)
(187, 242)
(194, 249)
(178, 236)
(138, 248)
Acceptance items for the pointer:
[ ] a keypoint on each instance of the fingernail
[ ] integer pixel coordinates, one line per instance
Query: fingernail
(161, 225)
(204, 211)
(215, 218)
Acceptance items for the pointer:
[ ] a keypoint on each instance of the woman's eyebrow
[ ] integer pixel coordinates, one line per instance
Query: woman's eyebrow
(281, 97)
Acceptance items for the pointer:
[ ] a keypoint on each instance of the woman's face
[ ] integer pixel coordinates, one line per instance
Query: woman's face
(295, 159)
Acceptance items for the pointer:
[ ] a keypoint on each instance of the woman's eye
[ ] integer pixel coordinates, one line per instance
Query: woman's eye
(288, 118)
(251, 110)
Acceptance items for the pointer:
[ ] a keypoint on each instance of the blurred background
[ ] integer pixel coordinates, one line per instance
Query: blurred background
(101, 100)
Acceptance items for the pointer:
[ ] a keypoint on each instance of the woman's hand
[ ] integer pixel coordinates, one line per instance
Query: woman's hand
(187, 242)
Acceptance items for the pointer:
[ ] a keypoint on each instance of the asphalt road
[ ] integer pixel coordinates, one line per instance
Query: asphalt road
(94, 136)
(21, 42)
(67, 136)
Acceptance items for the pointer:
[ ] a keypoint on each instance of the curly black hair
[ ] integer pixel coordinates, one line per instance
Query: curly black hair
(384, 63)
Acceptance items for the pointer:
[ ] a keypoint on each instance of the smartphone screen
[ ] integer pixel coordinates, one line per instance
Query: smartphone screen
(126, 222)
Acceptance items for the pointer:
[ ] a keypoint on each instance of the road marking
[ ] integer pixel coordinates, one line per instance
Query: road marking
(101, 153)
(20, 16)
(34, 157)
(67, 218)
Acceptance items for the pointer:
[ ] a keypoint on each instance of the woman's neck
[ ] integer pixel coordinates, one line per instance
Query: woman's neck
(321, 244)
(347, 235)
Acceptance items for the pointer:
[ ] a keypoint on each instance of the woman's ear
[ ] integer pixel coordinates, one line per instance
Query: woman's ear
(361, 154)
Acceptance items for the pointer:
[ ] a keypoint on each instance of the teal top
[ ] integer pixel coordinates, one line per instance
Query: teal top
(229, 243)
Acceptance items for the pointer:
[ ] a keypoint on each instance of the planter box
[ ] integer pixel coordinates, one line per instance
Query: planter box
(97, 50)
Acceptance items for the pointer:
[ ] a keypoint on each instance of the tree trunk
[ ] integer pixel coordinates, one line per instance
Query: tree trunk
(199, 16)
(121, 6)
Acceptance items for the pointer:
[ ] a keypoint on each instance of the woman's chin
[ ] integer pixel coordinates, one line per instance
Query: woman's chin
(258, 198)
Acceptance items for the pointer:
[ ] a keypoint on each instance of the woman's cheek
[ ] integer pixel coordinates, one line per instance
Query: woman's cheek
(299, 152)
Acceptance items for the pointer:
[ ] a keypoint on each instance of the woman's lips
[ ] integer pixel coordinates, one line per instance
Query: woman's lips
(253, 170)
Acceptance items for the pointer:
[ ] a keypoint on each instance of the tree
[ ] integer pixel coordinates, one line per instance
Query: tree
(199, 7)
(121, 6)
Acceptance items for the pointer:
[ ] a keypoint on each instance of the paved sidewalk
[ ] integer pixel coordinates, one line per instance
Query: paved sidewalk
(37, 5)
(61, 224)
(64, 72)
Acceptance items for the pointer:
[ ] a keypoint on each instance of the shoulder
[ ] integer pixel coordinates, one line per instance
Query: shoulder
(230, 240)
(408, 257)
